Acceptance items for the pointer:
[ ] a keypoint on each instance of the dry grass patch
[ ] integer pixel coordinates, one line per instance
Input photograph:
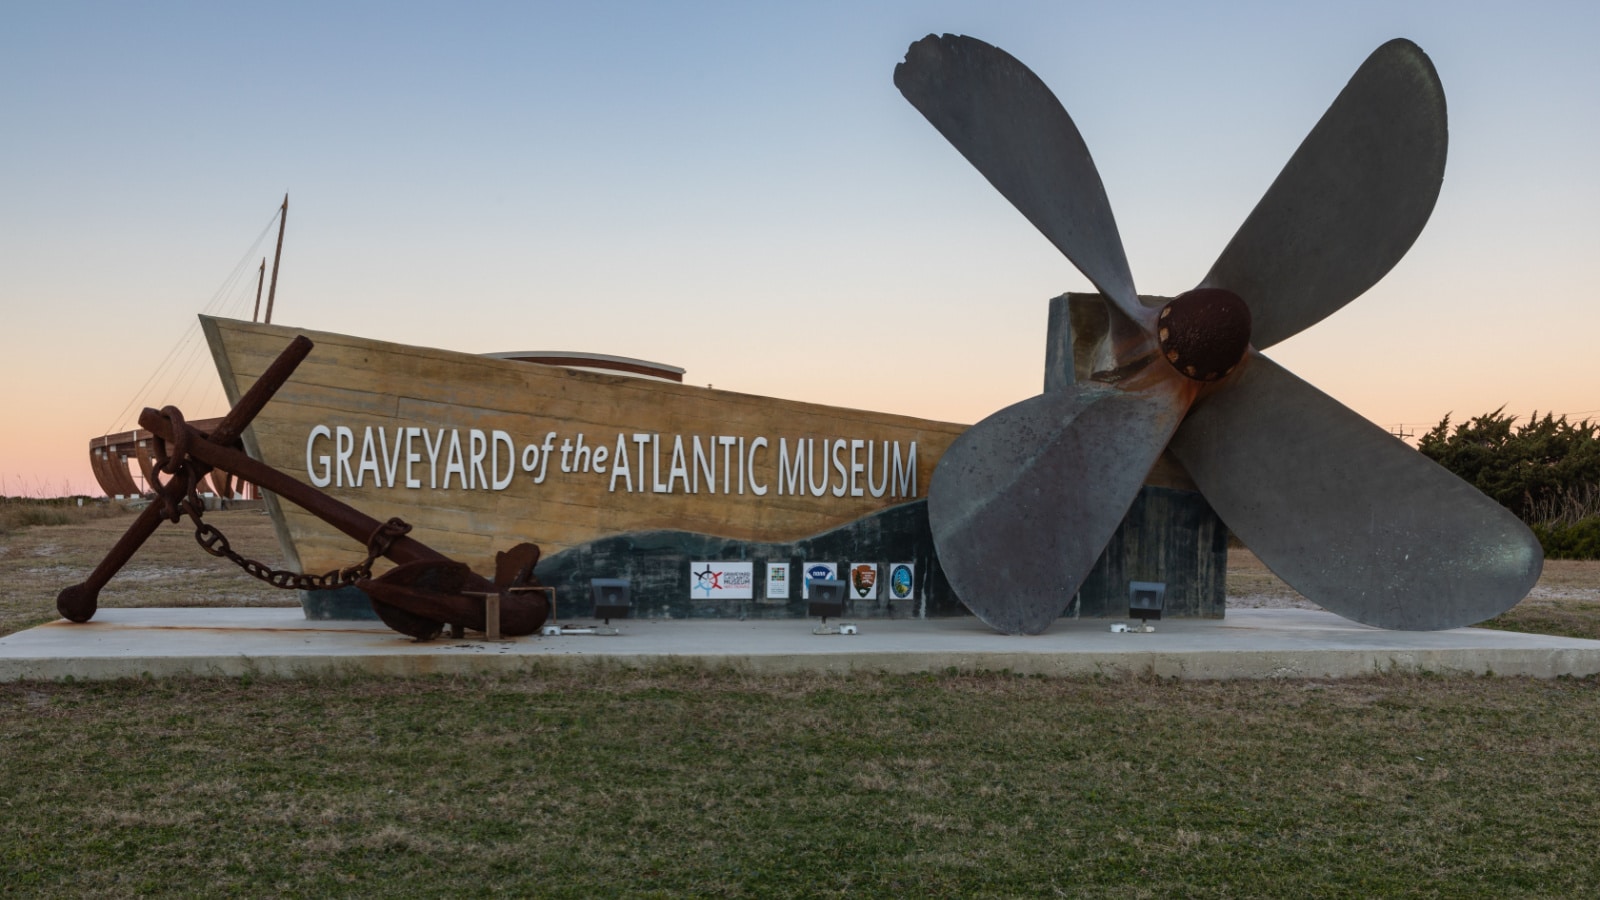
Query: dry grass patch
(170, 569)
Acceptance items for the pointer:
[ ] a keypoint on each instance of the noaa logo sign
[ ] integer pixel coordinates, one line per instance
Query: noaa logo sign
(815, 571)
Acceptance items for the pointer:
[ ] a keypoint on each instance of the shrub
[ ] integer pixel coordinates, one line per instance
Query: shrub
(1580, 540)
(24, 512)
(1547, 471)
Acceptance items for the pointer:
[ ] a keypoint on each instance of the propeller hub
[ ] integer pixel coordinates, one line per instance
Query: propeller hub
(1204, 332)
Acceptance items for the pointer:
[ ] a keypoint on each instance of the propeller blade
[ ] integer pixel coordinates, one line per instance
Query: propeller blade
(1348, 515)
(1013, 129)
(1023, 503)
(1350, 202)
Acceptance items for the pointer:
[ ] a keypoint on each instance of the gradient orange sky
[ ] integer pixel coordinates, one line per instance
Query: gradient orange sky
(728, 187)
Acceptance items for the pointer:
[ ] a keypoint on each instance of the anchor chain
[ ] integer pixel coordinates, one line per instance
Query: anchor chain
(214, 542)
(178, 464)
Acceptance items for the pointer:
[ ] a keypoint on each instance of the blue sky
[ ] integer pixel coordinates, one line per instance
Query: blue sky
(730, 186)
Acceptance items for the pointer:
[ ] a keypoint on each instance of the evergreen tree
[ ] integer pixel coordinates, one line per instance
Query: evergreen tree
(1546, 471)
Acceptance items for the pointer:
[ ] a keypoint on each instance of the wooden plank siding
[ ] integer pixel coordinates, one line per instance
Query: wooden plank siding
(359, 383)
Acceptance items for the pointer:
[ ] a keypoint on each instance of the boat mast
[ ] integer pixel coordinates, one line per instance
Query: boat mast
(260, 279)
(283, 219)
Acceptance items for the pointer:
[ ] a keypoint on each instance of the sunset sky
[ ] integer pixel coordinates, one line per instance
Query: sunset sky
(740, 190)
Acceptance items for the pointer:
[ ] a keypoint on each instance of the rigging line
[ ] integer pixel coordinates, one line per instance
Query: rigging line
(187, 378)
(244, 262)
(193, 325)
(191, 376)
(138, 395)
(190, 373)
(189, 357)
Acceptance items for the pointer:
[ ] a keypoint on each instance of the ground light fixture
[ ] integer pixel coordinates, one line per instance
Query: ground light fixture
(613, 599)
(1146, 599)
(827, 599)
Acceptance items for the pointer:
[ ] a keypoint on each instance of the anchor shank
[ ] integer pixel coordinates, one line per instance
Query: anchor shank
(244, 412)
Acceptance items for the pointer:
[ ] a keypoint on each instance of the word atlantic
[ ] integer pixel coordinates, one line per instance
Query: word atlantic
(636, 462)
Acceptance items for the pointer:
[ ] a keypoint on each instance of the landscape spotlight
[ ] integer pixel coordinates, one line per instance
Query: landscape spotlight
(1145, 601)
(611, 598)
(827, 599)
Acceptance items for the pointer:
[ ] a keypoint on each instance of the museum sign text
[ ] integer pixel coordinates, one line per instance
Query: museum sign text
(633, 462)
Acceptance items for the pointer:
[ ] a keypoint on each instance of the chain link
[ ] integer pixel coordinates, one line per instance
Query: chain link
(214, 542)
(180, 466)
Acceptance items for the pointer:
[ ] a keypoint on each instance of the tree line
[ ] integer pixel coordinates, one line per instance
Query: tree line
(1546, 470)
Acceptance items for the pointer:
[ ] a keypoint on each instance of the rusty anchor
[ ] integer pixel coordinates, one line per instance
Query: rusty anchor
(425, 591)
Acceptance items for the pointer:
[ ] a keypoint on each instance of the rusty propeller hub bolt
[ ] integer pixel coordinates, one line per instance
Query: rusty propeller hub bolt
(1204, 332)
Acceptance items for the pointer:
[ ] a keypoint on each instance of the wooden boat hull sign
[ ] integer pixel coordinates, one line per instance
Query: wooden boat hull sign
(611, 475)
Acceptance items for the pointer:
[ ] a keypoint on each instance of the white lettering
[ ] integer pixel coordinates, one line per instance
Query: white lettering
(878, 488)
(581, 456)
(727, 442)
(817, 490)
(433, 447)
(906, 479)
(619, 465)
(344, 444)
(789, 476)
(680, 466)
(838, 466)
(453, 461)
(369, 459)
(856, 467)
(544, 456)
(500, 437)
(656, 486)
(705, 462)
(412, 456)
(480, 449)
(759, 490)
(640, 440)
(326, 478)
(391, 462)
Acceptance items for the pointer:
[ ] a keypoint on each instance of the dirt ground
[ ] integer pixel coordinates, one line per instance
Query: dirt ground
(171, 570)
(1252, 585)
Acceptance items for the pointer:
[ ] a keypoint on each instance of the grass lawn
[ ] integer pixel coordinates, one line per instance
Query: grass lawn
(672, 783)
(668, 783)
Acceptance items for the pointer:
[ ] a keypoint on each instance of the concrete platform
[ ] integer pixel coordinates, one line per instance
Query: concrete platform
(1249, 643)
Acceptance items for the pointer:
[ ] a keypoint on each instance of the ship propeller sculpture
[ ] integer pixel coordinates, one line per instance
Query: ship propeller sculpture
(1023, 504)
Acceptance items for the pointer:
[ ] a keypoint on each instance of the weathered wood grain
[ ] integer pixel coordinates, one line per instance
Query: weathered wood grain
(360, 383)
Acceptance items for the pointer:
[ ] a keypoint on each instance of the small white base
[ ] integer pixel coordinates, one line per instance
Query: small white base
(1143, 628)
(841, 628)
(564, 630)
